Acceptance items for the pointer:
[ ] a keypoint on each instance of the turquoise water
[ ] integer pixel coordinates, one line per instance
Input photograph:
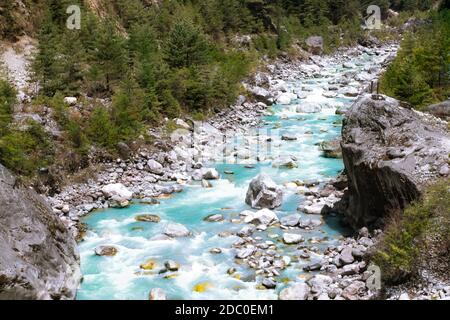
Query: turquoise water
(120, 277)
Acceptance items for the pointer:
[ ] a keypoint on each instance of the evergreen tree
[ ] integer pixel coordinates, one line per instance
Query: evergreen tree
(186, 46)
(109, 57)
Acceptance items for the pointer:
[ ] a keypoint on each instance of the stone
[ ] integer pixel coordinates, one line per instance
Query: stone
(269, 283)
(287, 162)
(106, 251)
(319, 284)
(71, 101)
(291, 220)
(215, 251)
(315, 208)
(149, 265)
(148, 218)
(172, 265)
(354, 290)
(264, 193)
(346, 256)
(214, 218)
(292, 238)
(206, 184)
(441, 110)
(246, 231)
(117, 190)
(157, 294)
(263, 216)
(315, 45)
(262, 95)
(331, 149)
(38, 254)
(155, 167)
(312, 267)
(65, 209)
(210, 174)
(298, 291)
(176, 230)
(287, 137)
(245, 252)
(392, 184)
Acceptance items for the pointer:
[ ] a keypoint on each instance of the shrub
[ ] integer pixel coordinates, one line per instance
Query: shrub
(410, 237)
(7, 100)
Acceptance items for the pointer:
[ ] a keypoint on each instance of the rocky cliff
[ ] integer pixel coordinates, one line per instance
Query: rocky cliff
(38, 256)
(391, 153)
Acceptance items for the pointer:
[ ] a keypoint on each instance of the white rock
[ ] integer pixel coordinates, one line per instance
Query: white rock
(155, 167)
(117, 190)
(176, 230)
(298, 291)
(264, 216)
(71, 101)
(292, 238)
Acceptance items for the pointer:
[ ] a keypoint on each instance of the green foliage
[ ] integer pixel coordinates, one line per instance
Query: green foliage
(101, 129)
(401, 251)
(7, 100)
(420, 74)
(176, 58)
(186, 46)
(24, 151)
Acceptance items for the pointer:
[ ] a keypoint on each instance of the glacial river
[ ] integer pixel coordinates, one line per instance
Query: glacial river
(203, 275)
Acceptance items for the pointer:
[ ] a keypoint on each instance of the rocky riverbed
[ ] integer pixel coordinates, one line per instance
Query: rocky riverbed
(281, 245)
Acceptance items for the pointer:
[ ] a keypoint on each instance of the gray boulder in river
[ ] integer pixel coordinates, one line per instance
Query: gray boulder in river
(263, 192)
(38, 255)
(390, 153)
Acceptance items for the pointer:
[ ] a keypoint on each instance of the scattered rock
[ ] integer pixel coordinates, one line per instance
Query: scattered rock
(298, 291)
(176, 230)
(106, 251)
(264, 193)
(148, 218)
(292, 238)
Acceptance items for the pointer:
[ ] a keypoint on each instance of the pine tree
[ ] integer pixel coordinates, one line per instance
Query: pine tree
(109, 58)
(7, 100)
(186, 46)
(100, 128)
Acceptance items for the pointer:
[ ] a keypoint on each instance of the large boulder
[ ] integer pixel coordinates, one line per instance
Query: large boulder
(315, 45)
(441, 110)
(263, 192)
(391, 154)
(38, 255)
